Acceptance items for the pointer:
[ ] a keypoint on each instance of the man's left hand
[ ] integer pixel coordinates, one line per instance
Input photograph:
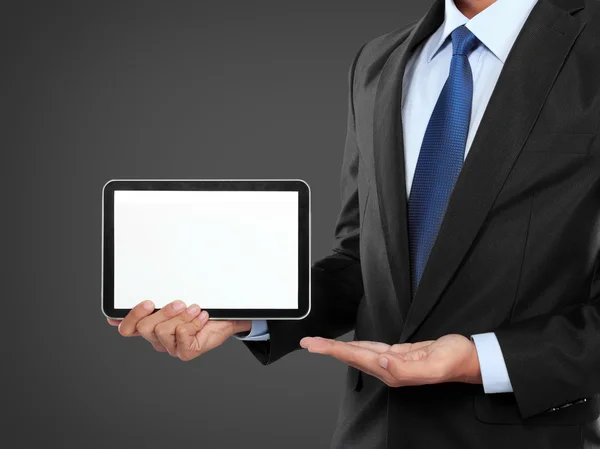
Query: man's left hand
(452, 358)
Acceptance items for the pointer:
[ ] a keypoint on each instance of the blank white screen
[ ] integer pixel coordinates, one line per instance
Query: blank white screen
(219, 249)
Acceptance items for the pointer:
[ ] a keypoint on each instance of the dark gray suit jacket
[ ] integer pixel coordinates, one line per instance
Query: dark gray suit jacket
(517, 252)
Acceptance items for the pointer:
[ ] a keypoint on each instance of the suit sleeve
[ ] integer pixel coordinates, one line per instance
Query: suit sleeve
(336, 280)
(553, 360)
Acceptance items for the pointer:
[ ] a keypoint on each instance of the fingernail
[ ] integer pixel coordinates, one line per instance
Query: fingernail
(193, 309)
(304, 342)
(148, 305)
(383, 362)
(204, 316)
(178, 305)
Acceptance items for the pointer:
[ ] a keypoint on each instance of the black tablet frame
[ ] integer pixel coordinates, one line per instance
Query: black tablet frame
(304, 261)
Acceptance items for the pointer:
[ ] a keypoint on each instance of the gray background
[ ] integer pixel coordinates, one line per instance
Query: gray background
(149, 89)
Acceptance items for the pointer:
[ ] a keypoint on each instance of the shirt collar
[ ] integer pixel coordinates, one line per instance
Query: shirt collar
(497, 26)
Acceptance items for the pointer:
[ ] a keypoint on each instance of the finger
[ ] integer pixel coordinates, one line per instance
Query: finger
(187, 343)
(159, 348)
(165, 331)
(113, 322)
(407, 347)
(318, 344)
(340, 350)
(372, 345)
(128, 325)
(147, 325)
(356, 356)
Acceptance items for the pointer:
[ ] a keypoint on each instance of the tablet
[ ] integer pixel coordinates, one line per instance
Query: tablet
(239, 248)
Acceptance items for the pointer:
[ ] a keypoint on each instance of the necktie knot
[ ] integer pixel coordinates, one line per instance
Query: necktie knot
(463, 41)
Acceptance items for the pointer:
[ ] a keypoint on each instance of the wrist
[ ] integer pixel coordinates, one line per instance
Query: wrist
(472, 369)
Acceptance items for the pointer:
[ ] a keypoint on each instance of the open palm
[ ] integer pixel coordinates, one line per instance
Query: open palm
(451, 358)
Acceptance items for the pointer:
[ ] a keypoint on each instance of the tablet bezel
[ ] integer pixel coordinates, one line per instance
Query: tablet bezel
(304, 257)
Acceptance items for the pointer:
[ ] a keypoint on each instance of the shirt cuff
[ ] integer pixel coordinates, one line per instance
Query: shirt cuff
(491, 362)
(258, 332)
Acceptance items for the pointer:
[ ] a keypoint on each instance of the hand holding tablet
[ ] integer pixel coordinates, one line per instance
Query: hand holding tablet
(183, 332)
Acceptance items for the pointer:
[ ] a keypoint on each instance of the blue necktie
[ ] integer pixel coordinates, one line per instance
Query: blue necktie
(442, 154)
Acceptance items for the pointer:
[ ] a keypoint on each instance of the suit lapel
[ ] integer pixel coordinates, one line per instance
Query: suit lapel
(388, 145)
(530, 70)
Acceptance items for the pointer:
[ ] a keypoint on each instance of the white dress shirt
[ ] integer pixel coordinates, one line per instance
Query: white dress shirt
(497, 28)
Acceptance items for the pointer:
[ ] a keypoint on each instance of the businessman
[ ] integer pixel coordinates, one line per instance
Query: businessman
(466, 256)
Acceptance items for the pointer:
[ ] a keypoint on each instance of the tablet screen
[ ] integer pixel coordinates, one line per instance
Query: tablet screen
(219, 249)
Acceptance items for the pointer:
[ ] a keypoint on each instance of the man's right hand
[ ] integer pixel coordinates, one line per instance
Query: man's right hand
(183, 332)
